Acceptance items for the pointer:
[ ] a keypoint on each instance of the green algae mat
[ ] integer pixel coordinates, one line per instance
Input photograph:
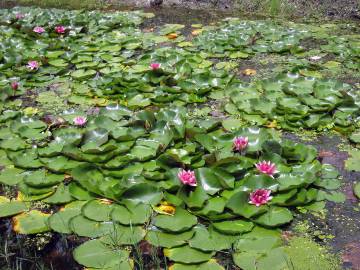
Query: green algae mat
(133, 135)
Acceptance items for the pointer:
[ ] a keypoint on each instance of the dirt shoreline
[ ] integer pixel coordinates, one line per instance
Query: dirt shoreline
(290, 9)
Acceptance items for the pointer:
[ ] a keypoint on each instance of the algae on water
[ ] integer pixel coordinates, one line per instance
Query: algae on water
(305, 254)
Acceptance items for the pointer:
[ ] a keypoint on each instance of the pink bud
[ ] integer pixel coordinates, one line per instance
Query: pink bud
(33, 65)
(240, 143)
(60, 29)
(19, 16)
(14, 85)
(155, 66)
(79, 121)
(187, 177)
(266, 167)
(39, 29)
(260, 197)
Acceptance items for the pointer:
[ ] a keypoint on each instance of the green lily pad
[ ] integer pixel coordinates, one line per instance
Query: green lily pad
(59, 221)
(61, 195)
(9, 208)
(95, 253)
(182, 220)
(210, 240)
(31, 222)
(210, 265)
(274, 217)
(131, 214)
(233, 226)
(187, 255)
(357, 190)
(168, 240)
(98, 210)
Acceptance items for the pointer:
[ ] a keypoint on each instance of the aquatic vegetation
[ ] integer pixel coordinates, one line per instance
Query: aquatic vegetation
(266, 167)
(187, 178)
(260, 197)
(133, 163)
(240, 143)
(109, 139)
(60, 29)
(39, 29)
(306, 253)
(33, 65)
(80, 121)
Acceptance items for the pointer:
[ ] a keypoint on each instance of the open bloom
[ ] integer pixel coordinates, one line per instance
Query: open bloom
(39, 29)
(33, 65)
(14, 85)
(260, 197)
(155, 66)
(266, 167)
(80, 121)
(315, 58)
(240, 143)
(60, 29)
(19, 16)
(187, 177)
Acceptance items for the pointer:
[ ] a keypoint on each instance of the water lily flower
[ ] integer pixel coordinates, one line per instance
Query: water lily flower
(19, 16)
(60, 29)
(39, 29)
(14, 85)
(33, 65)
(266, 167)
(80, 121)
(155, 66)
(240, 143)
(260, 197)
(315, 58)
(187, 177)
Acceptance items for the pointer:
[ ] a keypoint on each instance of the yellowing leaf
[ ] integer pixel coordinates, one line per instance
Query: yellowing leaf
(30, 111)
(196, 32)
(30, 222)
(165, 208)
(172, 35)
(185, 44)
(249, 72)
(272, 124)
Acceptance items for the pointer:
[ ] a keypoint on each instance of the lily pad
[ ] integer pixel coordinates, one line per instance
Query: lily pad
(182, 220)
(31, 222)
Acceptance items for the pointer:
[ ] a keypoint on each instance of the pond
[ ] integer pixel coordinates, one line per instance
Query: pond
(171, 138)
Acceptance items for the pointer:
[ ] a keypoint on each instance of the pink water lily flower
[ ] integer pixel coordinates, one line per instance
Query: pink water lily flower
(39, 29)
(260, 197)
(187, 177)
(33, 65)
(266, 167)
(240, 143)
(155, 66)
(80, 121)
(14, 85)
(60, 29)
(19, 16)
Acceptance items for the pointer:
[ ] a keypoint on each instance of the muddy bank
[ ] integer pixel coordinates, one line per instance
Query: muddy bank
(294, 9)
(340, 228)
(330, 9)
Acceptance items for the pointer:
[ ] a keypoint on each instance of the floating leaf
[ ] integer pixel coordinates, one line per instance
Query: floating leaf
(182, 220)
(186, 254)
(31, 222)
(95, 253)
